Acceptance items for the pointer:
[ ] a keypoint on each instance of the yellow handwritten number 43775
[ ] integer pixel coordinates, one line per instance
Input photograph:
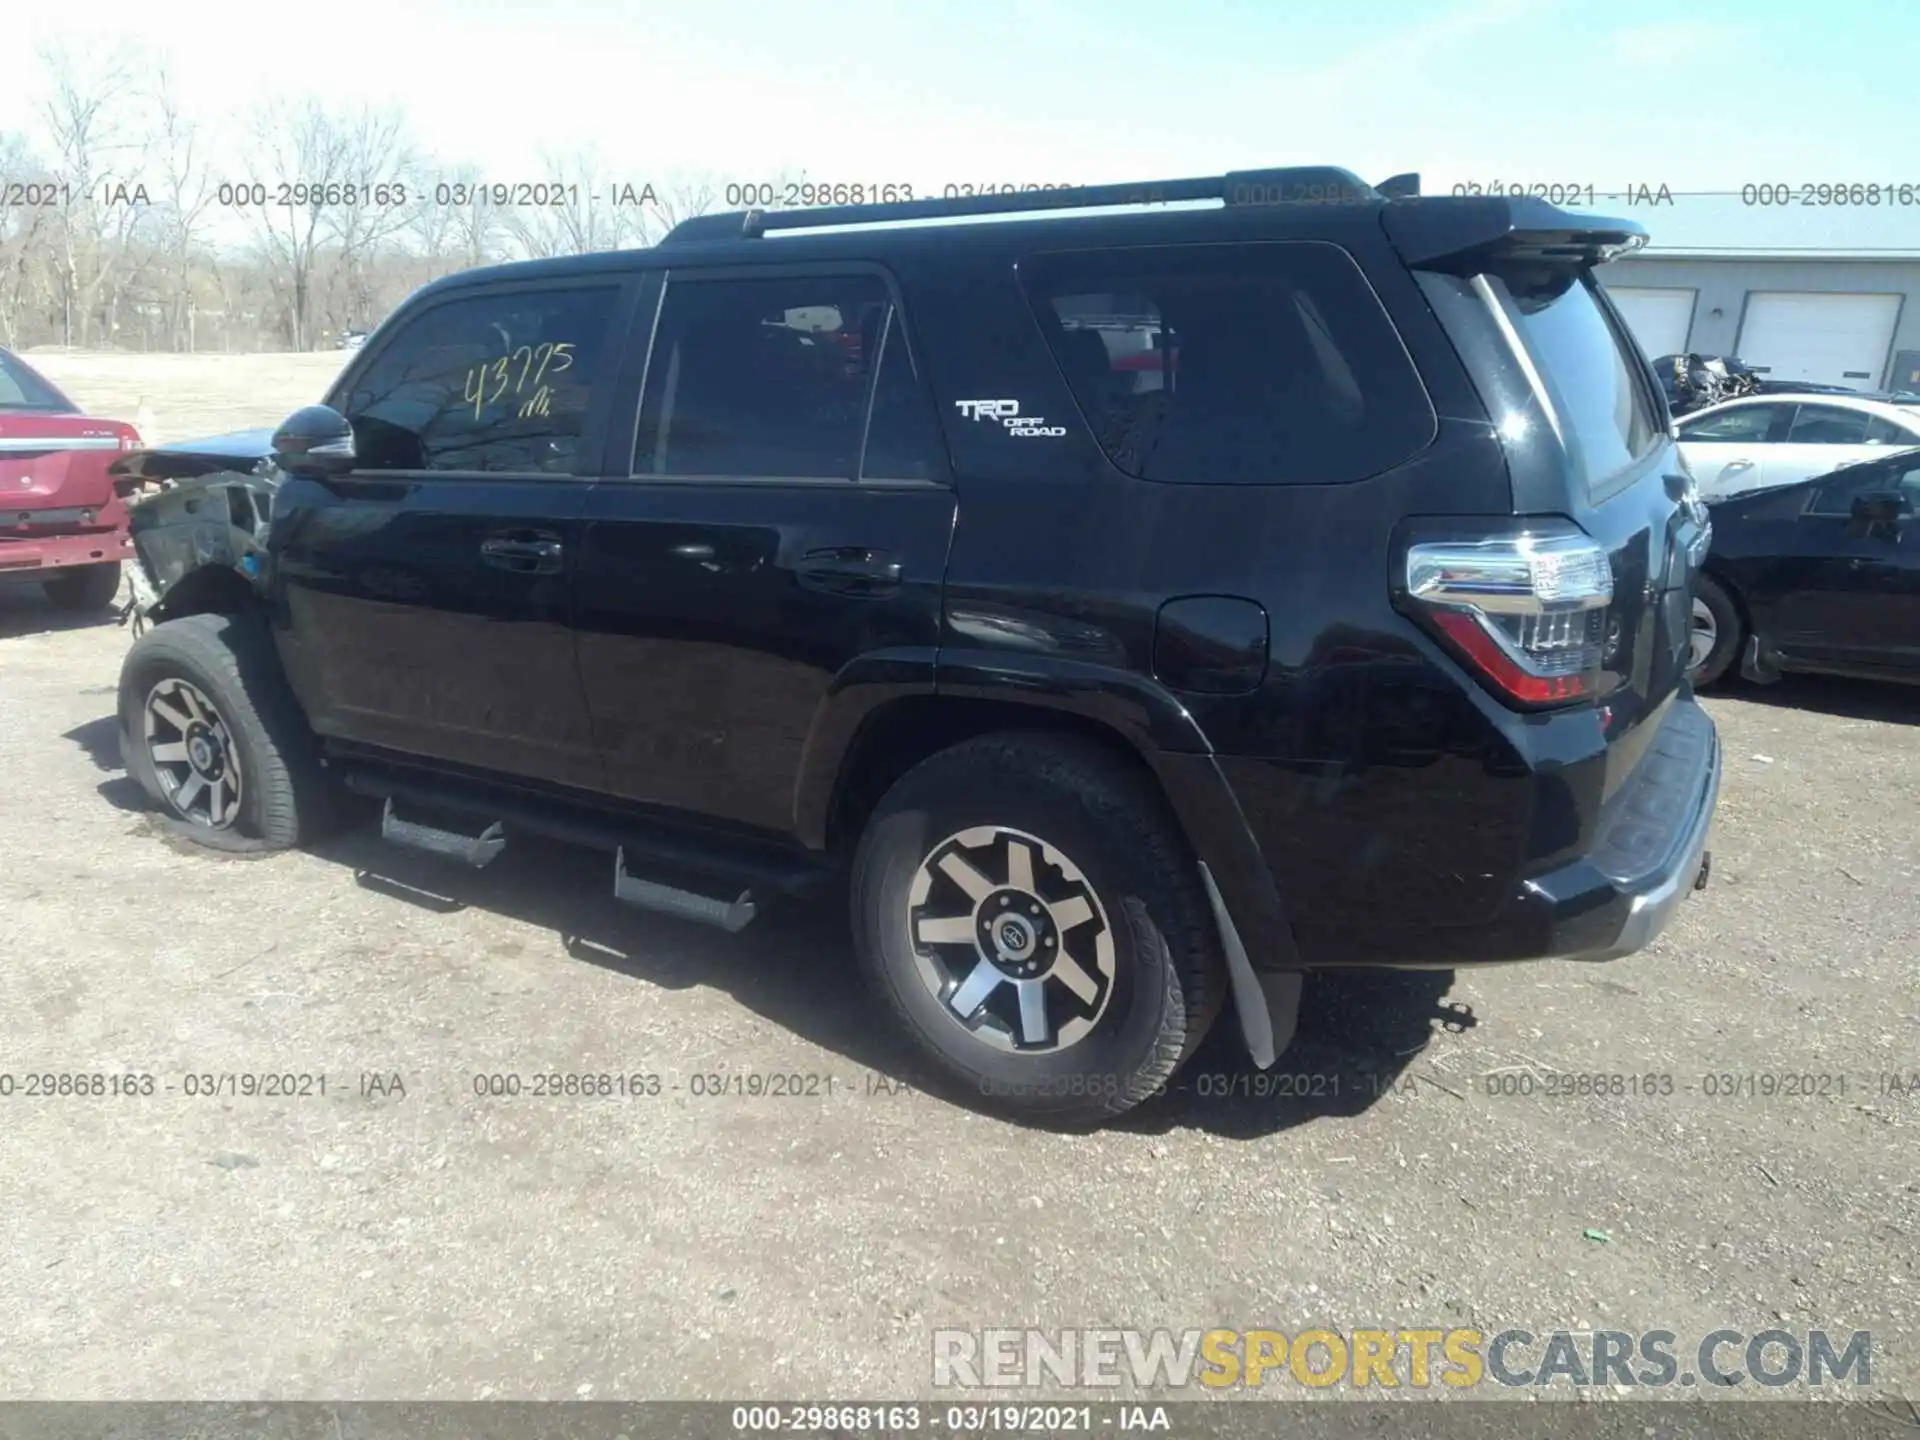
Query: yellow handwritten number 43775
(492, 380)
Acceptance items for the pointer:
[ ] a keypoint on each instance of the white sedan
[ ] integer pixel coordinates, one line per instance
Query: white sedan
(1763, 441)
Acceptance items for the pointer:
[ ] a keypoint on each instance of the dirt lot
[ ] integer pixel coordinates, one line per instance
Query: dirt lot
(372, 1244)
(190, 396)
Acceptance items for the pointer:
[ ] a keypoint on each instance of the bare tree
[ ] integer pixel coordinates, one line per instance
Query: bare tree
(84, 247)
(325, 183)
(455, 222)
(92, 127)
(186, 194)
(294, 142)
(369, 208)
(570, 214)
(26, 245)
(679, 199)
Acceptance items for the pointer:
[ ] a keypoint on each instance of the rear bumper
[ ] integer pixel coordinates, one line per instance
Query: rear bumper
(1650, 853)
(34, 557)
(1613, 878)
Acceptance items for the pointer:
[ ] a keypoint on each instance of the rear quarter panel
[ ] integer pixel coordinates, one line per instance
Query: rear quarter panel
(1364, 758)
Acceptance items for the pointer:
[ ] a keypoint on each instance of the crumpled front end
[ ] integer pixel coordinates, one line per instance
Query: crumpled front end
(198, 515)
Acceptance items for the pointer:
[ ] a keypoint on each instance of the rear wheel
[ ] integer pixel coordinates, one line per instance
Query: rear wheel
(211, 732)
(1716, 634)
(84, 587)
(1032, 917)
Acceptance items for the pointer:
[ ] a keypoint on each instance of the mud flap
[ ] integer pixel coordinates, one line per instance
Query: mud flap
(1756, 664)
(1268, 1003)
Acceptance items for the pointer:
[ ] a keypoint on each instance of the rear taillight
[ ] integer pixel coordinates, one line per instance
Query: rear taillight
(1527, 610)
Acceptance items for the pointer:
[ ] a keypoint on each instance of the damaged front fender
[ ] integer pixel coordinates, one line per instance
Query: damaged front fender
(199, 513)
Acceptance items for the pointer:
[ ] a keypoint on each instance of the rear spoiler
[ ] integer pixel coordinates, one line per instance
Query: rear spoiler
(1465, 235)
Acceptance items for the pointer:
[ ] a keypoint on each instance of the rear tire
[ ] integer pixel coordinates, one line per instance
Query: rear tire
(84, 587)
(1717, 633)
(1035, 883)
(213, 734)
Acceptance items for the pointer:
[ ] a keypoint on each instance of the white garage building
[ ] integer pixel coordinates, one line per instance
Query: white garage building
(1834, 302)
(1838, 320)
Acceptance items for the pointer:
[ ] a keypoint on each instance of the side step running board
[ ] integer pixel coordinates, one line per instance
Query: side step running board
(731, 916)
(477, 850)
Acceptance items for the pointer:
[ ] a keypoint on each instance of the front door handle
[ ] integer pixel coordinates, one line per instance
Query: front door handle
(526, 552)
(850, 570)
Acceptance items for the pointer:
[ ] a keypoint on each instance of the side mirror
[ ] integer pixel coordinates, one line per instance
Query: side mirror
(316, 442)
(1882, 507)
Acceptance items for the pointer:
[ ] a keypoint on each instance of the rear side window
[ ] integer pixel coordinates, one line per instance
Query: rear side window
(1594, 376)
(1232, 364)
(785, 378)
(1828, 425)
(1744, 425)
(23, 389)
(495, 382)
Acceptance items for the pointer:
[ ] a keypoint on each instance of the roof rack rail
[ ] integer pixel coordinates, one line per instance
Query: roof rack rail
(1302, 184)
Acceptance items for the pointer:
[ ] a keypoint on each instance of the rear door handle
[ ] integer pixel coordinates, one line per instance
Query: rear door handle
(850, 570)
(526, 552)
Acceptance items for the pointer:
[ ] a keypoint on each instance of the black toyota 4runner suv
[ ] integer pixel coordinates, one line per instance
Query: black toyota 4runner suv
(1145, 605)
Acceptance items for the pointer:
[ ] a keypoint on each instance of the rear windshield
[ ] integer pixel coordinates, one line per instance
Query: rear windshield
(1595, 376)
(1232, 364)
(22, 389)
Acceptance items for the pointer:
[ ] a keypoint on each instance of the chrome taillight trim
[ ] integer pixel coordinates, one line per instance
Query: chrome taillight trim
(1512, 575)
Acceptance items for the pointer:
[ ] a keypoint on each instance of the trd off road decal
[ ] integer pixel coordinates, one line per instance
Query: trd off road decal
(1007, 413)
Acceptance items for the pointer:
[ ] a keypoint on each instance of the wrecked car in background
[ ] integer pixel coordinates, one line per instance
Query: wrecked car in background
(1693, 382)
(197, 514)
(61, 524)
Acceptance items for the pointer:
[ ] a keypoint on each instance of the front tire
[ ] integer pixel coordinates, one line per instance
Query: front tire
(1716, 633)
(1034, 920)
(210, 730)
(84, 587)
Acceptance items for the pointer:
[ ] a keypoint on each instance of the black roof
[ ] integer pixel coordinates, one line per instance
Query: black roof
(1329, 202)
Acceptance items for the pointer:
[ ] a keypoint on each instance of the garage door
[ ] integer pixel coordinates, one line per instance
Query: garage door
(1659, 319)
(1828, 339)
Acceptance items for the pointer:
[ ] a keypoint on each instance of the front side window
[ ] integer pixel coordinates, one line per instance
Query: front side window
(1828, 425)
(1595, 378)
(772, 379)
(1245, 364)
(499, 382)
(1744, 425)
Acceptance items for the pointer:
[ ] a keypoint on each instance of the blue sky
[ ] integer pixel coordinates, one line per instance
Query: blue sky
(1702, 96)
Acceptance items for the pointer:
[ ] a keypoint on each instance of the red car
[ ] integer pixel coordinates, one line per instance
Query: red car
(61, 524)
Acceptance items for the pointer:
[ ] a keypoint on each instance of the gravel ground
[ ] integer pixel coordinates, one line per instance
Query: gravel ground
(374, 1244)
(434, 1244)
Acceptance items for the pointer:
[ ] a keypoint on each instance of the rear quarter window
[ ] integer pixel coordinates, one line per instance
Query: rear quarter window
(1596, 381)
(1266, 364)
(21, 388)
